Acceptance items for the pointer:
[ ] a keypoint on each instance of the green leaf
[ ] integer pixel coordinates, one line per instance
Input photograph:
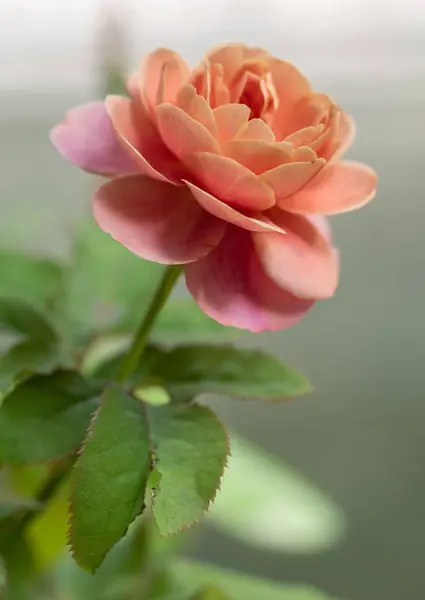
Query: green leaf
(27, 356)
(184, 320)
(190, 576)
(145, 373)
(45, 417)
(191, 448)
(20, 317)
(265, 503)
(110, 477)
(106, 286)
(37, 345)
(33, 280)
(187, 371)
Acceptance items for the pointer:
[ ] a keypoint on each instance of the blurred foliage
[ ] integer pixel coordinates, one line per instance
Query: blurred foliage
(189, 576)
(277, 509)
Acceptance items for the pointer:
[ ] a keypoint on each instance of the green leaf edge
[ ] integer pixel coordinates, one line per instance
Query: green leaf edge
(188, 526)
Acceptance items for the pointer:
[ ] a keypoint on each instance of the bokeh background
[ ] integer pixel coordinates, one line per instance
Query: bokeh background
(360, 435)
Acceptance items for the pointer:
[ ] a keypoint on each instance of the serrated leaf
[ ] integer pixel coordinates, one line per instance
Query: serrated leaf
(266, 503)
(189, 576)
(106, 286)
(191, 448)
(45, 417)
(187, 371)
(109, 477)
(183, 320)
(20, 317)
(33, 280)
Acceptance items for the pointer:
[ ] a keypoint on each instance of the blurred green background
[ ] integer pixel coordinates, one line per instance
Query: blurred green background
(360, 435)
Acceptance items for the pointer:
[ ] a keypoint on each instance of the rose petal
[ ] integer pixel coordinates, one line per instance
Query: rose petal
(257, 129)
(252, 52)
(337, 137)
(230, 181)
(230, 56)
(302, 261)
(322, 224)
(255, 222)
(258, 156)
(155, 220)
(304, 137)
(219, 92)
(196, 107)
(291, 86)
(132, 85)
(338, 188)
(201, 79)
(287, 179)
(327, 142)
(182, 134)
(231, 286)
(346, 135)
(141, 140)
(163, 73)
(87, 139)
(304, 154)
(310, 110)
(230, 119)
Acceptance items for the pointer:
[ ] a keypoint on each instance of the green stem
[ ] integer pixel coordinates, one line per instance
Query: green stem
(164, 289)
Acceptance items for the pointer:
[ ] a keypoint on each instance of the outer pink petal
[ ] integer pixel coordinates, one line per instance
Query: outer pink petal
(87, 139)
(140, 138)
(287, 179)
(230, 181)
(163, 73)
(155, 220)
(339, 187)
(302, 261)
(231, 286)
(254, 222)
(132, 85)
(182, 134)
(231, 119)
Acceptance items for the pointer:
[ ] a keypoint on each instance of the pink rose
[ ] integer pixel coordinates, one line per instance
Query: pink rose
(227, 169)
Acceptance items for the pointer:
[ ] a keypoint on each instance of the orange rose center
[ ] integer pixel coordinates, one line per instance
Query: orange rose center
(253, 85)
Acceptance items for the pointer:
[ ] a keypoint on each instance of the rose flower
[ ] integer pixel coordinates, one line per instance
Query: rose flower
(229, 170)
